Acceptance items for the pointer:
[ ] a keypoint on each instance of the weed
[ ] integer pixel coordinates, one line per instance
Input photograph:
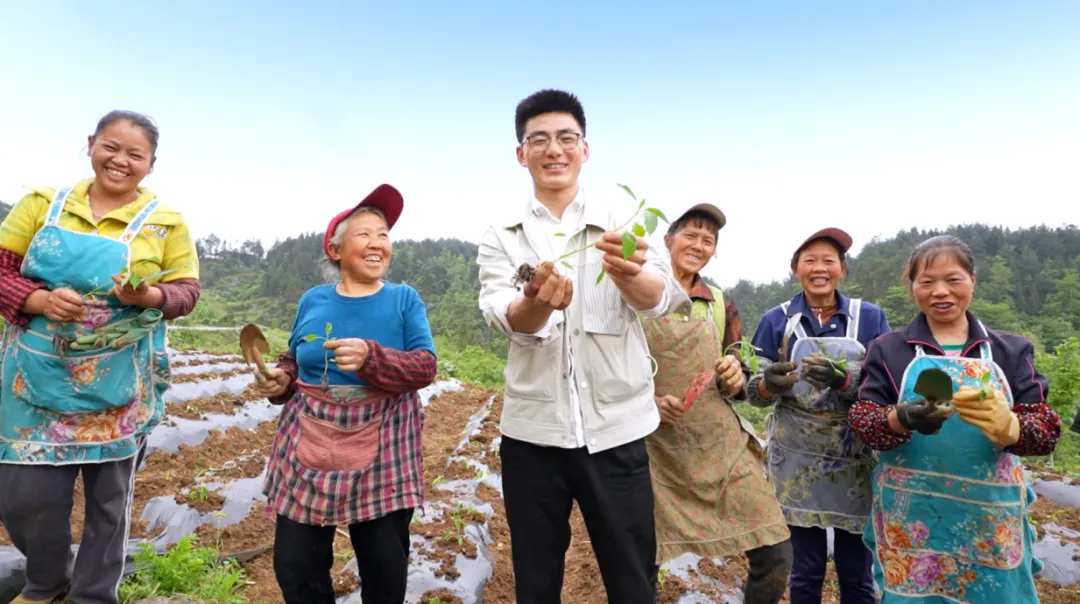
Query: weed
(185, 571)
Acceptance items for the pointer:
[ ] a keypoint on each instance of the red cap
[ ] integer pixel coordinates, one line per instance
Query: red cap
(384, 198)
(840, 237)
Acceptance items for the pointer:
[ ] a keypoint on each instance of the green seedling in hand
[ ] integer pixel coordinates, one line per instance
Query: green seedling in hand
(634, 229)
(936, 387)
(986, 391)
(747, 352)
(329, 328)
(133, 278)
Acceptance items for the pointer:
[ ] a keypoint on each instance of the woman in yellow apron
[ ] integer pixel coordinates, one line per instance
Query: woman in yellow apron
(84, 363)
(712, 497)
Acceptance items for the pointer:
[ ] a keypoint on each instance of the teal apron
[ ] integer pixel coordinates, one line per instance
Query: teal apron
(821, 471)
(65, 402)
(950, 510)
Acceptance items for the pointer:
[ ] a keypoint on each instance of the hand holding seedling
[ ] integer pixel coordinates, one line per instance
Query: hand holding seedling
(275, 384)
(670, 408)
(142, 295)
(623, 256)
(779, 378)
(729, 375)
(350, 354)
(920, 417)
(822, 372)
(989, 413)
(63, 305)
(549, 288)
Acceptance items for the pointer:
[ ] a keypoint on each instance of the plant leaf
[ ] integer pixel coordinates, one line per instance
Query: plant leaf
(627, 189)
(560, 234)
(650, 222)
(329, 328)
(600, 277)
(629, 245)
(641, 205)
(310, 337)
(568, 265)
(639, 230)
(985, 377)
(134, 280)
(658, 214)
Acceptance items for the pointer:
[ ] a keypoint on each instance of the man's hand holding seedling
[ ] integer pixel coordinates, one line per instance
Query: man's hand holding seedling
(990, 413)
(546, 292)
(642, 289)
(142, 295)
(350, 354)
(670, 408)
(729, 375)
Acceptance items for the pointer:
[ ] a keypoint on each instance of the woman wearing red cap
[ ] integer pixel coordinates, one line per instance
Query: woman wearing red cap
(812, 348)
(348, 447)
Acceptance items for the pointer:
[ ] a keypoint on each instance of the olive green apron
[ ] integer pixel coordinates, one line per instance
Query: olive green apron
(712, 496)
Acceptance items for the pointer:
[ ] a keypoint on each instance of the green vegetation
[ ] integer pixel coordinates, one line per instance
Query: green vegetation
(185, 571)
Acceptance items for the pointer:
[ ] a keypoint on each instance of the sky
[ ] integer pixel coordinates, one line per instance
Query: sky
(790, 116)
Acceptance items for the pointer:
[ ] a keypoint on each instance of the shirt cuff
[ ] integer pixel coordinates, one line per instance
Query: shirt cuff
(497, 309)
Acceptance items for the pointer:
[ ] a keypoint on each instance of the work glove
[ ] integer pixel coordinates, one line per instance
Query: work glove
(923, 417)
(991, 415)
(821, 373)
(779, 378)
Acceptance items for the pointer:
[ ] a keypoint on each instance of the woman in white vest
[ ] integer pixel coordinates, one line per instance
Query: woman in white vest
(811, 349)
(712, 497)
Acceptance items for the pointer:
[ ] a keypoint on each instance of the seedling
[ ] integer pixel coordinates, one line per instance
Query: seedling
(936, 387)
(652, 216)
(747, 353)
(986, 390)
(199, 494)
(329, 328)
(133, 278)
(661, 575)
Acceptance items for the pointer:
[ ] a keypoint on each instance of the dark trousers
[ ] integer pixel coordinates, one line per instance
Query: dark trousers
(35, 507)
(767, 578)
(853, 566)
(304, 554)
(613, 489)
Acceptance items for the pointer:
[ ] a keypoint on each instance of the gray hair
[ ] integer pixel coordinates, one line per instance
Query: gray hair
(331, 269)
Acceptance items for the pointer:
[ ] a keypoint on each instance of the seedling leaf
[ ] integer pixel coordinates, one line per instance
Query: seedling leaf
(600, 277)
(329, 328)
(568, 266)
(560, 234)
(650, 222)
(658, 214)
(310, 337)
(985, 378)
(629, 245)
(627, 189)
(639, 230)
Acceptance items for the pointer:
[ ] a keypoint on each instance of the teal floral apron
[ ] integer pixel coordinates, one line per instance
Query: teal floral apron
(821, 471)
(950, 510)
(84, 391)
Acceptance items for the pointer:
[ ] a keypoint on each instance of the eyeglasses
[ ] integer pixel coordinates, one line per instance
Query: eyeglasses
(540, 141)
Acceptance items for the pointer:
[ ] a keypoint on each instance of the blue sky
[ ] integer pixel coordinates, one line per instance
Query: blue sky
(871, 116)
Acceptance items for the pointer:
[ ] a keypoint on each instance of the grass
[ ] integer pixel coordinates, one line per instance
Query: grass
(225, 341)
(185, 571)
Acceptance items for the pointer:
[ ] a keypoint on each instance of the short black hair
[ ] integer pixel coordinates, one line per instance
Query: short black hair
(547, 101)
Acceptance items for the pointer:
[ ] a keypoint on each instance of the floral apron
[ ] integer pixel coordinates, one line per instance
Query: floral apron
(950, 510)
(821, 471)
(81, 392)
(711, 494)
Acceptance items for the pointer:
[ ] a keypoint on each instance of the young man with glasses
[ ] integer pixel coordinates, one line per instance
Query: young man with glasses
(579, 389)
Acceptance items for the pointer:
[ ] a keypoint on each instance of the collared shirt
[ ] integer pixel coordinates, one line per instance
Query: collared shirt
(496, 307)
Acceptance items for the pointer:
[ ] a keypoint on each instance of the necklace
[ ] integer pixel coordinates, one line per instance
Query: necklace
(819, 312)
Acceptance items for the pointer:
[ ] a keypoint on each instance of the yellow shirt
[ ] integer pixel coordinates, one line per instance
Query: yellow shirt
(165, 235)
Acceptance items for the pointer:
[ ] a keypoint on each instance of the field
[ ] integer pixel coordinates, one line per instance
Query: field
(201, 487)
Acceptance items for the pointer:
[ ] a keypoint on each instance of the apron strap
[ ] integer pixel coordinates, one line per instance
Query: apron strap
(56, 207)
(138, 222)
(854, 314)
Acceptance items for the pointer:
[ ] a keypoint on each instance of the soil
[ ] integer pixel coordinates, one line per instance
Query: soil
(223, 402)
(241, 453)
(185, 378)
(208, 361)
